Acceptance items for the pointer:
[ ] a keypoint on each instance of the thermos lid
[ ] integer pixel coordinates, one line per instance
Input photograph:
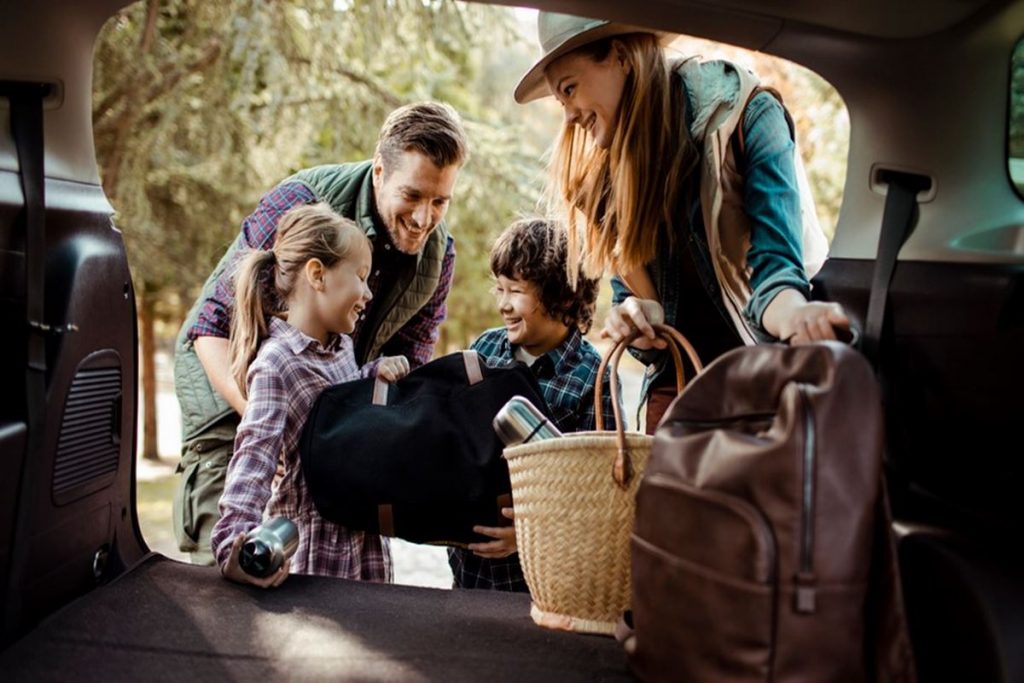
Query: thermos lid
(518, 421)
(256, 558)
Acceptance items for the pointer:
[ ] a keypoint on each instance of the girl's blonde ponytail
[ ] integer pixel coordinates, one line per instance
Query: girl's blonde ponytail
(265, 280)
(249, 321)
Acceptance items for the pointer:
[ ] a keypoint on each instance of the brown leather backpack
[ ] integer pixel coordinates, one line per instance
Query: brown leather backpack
(762, 548)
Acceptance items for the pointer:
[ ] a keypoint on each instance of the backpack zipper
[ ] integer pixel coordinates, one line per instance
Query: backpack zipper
(721, 422)
(805, 580)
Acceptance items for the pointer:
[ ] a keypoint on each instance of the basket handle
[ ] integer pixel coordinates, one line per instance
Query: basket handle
(622, 470)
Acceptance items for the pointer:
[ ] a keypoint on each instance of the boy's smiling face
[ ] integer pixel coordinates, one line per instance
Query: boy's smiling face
(526, 321)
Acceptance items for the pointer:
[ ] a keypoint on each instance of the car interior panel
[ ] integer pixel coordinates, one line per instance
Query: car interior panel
(926, 85)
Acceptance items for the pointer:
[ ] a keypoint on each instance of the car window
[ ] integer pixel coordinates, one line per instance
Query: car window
(234, 107)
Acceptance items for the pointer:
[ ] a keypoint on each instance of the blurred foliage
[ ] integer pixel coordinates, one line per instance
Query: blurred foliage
(200, 107)
(1017, 117)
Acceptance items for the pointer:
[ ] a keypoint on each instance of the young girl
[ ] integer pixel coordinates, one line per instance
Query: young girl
(296, 305)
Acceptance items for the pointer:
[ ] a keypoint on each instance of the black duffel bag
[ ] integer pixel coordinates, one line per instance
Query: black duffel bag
(417, 459)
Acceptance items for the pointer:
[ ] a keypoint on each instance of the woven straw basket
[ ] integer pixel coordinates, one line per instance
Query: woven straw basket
(574, 499)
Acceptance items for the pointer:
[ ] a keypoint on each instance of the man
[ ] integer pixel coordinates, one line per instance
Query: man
(399, 198)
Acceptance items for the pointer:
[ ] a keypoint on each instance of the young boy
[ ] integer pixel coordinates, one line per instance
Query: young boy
(545, 320)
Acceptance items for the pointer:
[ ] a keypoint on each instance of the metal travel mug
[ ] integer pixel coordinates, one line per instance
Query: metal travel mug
(519, 421)
(267, 547)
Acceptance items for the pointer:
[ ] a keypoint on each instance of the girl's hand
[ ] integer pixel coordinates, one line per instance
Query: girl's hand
(635, 316)
(392, 368)
(505, 544)
(233, 571)
(813, 321)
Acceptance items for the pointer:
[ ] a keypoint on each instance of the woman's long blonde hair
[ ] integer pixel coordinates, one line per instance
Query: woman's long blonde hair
(265, 280)
(617, 202)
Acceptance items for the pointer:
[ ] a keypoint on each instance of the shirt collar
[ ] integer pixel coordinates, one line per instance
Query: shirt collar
(298, 342)
(562, 358)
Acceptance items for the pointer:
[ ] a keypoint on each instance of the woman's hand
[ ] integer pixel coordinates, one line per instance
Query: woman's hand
(392, 368)
(634, 316)
(505, 544)
(233, 571)
(796, 321)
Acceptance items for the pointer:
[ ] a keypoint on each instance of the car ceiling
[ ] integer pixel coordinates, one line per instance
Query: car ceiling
(890, 60)
(754, 24)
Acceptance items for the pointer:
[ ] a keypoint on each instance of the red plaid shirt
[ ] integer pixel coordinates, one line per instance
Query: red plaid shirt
(290, 371)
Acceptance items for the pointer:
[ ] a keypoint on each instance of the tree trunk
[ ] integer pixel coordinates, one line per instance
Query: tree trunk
(148, 360)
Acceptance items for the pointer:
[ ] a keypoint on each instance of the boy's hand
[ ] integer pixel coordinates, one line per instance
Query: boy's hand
(505, 544)
(233, 571)
(634, 317)
(392, 368)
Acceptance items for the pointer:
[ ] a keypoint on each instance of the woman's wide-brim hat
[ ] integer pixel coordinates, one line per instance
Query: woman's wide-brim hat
(560, 34)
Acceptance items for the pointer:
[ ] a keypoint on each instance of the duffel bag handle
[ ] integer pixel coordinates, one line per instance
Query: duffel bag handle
(474, 374)
(622, 470)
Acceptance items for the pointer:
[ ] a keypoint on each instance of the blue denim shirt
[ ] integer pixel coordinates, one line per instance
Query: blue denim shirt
(772, 201)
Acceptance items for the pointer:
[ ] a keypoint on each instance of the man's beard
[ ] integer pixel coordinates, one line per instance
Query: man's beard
(395, 234)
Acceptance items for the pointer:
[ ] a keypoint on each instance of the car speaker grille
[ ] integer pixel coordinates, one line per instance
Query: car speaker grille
(89, 441)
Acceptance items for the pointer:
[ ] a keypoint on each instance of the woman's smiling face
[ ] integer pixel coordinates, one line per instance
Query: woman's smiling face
(590, 91)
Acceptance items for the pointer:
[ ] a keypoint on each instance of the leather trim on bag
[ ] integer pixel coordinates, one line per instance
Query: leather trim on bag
(473, 372)
(380, 392)
(504, 500)
(386, 519)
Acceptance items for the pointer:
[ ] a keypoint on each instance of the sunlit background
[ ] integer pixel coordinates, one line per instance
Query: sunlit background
(201, 107)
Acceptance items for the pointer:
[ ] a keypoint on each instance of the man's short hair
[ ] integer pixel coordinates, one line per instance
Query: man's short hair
(433, 129)
(534, 250)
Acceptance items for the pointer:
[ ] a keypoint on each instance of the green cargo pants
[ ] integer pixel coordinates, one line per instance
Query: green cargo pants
(203, 469)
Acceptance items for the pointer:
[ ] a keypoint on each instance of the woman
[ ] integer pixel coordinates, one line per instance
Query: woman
(702, 228)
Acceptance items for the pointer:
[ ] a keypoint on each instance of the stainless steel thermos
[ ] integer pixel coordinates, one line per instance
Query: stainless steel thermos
(519, 421)
(267, 547)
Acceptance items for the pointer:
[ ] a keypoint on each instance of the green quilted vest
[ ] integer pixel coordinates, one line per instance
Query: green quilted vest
(348, 188)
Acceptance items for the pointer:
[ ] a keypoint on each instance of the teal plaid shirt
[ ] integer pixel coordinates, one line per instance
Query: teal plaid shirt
(566, 375)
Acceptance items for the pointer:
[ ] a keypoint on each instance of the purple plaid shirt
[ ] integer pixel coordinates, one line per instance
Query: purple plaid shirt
(415, 340)
(290, 371)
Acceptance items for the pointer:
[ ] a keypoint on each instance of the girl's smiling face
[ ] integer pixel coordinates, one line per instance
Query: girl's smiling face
(590, 91)
(345, 293)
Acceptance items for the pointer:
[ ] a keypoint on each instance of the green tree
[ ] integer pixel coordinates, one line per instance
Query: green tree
(201, 107)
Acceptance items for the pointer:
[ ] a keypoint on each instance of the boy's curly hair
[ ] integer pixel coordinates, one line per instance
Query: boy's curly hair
(534, 250)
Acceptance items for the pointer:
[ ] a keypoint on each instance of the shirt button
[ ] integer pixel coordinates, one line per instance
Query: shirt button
(387, 246)
(376, 272)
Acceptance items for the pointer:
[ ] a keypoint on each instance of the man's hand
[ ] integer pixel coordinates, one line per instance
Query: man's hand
(505, 544)
(392, 368)
(233, 571)
(634, 316)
